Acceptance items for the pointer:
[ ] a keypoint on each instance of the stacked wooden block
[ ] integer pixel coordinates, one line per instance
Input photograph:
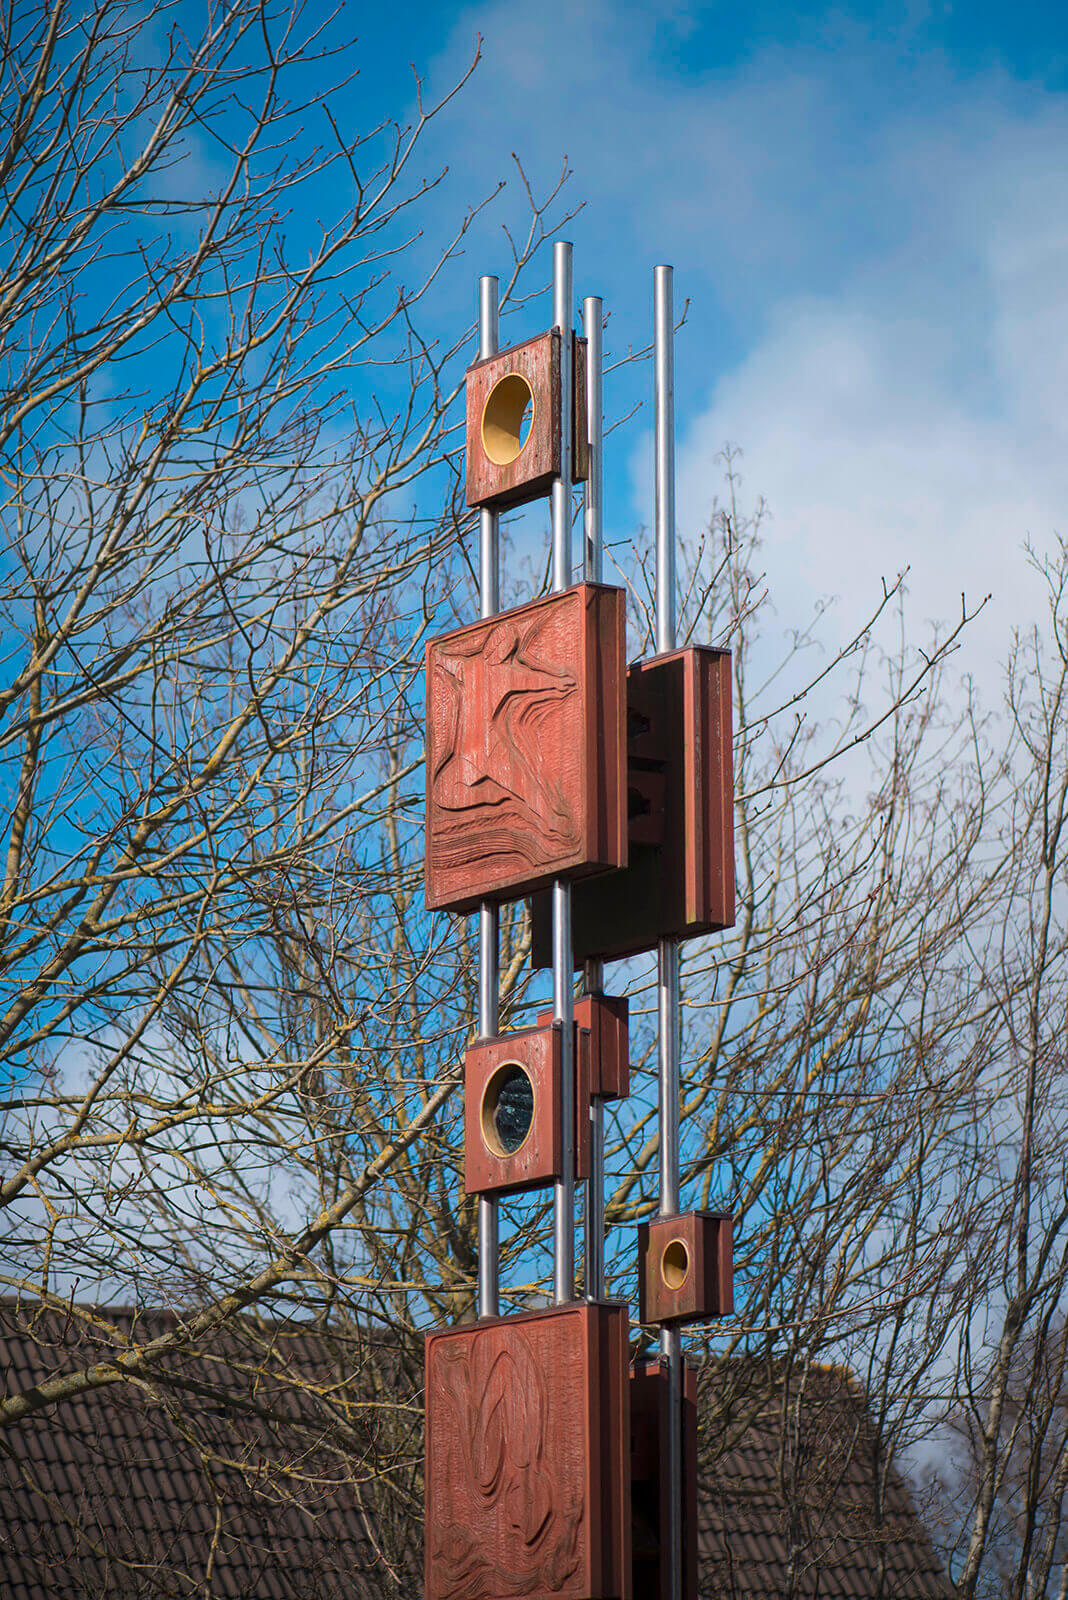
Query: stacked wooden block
(547, 760)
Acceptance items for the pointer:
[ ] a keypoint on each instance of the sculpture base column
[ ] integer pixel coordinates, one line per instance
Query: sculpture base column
(528, 1457)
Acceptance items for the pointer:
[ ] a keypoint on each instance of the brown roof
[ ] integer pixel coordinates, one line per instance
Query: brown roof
(788, 1501)
(154, 1489)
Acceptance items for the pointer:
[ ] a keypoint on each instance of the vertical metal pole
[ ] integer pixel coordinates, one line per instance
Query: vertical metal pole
(593, 564)
(563, 965)
(595, 1282)
(593, 509)
(489, 601)
(667, 949)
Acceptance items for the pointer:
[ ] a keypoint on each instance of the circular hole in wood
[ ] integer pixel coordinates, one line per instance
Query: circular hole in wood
(507, 418)
(675, 1264)
(507, 1109)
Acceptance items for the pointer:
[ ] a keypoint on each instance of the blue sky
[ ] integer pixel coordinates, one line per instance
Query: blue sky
(868, 207)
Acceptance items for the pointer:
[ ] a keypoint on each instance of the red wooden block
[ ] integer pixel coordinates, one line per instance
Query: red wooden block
(525, 751)
(512, 1137)
(686, 1268)
(649, 1482)
(606, 1017)
(507, 392)
(679, 881)
(528, 1457)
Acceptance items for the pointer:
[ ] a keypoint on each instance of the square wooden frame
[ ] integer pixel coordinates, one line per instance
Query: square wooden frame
(528, 1457)
(679, 880)
(699, 1244)
(539, 1159)
(525, 748)
(530, 474)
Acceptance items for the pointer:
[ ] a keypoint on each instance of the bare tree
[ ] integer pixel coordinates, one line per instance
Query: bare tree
(230, 1032)
(230, 517)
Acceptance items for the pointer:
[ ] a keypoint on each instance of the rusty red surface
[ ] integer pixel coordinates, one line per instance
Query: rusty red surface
(649, 1486)
(525, 754)
(686, 1267)
(607, 1019)
(488, 1169)
(529, 475)
(679, 881)
(528, 1457)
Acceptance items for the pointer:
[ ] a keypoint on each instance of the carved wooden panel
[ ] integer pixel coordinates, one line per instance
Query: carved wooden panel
(686, 1267)
(679, 881)
(528, 1457)
(512, 1124)
(649, 1483)
(525, 748)
(513, 422)
(607, 1018)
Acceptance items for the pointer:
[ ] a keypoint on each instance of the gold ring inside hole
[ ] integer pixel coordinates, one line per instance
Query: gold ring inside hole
(505, 424)
(675, 1264)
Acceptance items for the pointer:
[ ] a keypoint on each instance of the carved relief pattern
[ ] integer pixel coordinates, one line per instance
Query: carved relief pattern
(505, 734)
(507, 1465)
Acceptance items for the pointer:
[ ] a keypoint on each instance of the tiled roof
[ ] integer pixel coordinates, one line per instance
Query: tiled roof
(801, 1476)
(109, 1494)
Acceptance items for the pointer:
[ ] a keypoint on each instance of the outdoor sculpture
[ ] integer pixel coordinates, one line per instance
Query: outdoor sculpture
(525, 762)
(607, 794)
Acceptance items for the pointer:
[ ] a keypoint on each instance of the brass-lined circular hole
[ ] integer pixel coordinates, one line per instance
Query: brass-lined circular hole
(507, 418)
(675, 1264)
(507, 1109)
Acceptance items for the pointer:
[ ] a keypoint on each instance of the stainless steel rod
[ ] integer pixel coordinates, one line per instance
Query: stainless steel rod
(563, 967)
(488, 941)
(593, 566)
(669, 1044)
(664, 510)
(595, 1275)
(593, 508)
(668, 1072)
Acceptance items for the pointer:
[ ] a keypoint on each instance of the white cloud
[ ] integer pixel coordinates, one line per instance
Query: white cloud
(890, 431)
(878, 266)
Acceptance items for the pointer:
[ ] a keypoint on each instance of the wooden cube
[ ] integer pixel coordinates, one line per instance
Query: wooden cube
(525, 752)
(679, 880)
(513, 422)
(650, 1511)
(685, 1268)
(607, 1017)
(528, 1457)
(512, 1122)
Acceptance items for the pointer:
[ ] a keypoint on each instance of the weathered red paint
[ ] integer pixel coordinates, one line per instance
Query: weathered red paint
(539, 1159)
(607, 1017)
(525, 753)
(649, 1482)
(686, 1268)
(528, 1457)
(530, 474)
(679, 881)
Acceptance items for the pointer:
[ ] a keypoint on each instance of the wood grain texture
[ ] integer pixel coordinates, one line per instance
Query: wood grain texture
(606, 1018)
(525, 749)
(539, 1160)
(649, 1483)
(530, 475)
(708, 1288)
(528, 1457)
(679, 881)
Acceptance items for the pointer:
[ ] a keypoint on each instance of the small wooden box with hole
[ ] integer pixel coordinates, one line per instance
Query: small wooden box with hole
(686, 1268)
(513, 422)
(607, 1019)
(512, 1124)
